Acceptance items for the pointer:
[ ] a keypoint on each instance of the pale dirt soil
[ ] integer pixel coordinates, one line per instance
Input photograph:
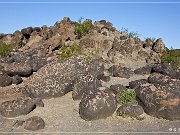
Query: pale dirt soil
(61, 117)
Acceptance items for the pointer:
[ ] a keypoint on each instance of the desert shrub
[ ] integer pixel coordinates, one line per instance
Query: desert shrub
(82, 28)
(69, 51)
(130, 34)
(134, 35)
(171, 56)
(127, 96)
(5, 49)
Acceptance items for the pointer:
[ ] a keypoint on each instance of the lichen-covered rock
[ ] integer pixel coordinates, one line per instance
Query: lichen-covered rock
(118, 71)
(130, 109)
(144, 70)
(98, 104)
(163, 103)
(15, 108)
(165, 69)
(117, 88)
(137, 83)
(34, 123)
(56, 79)
(5, 80)
(21, 69)
(83, 85)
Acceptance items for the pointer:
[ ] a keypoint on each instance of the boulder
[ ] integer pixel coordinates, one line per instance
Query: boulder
(158, 46)
(57, 78)
(5, 80)
(97, 105)
(27, 31)
(21, 69)
(130, 109)
(162, 80)
(165, 69)
(34, 123)
(118, 71)
(16, 79)
(161, 103)
(83, 85)
(117, 88)
(37, 29)
(137, 83)
(144, 70)
(15, 108)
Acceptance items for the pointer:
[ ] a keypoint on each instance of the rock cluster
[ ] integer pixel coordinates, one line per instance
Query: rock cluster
(160, 95)
(33, 66)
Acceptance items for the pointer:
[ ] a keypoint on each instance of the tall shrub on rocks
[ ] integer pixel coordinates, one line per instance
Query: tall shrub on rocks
(82, 28)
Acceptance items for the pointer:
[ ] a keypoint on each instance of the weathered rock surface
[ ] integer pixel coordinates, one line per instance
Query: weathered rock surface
(162, 97)
(5, 80)
(165, 69)
(21, 69)
(97, 105)
(16, 79)
(118, 88)
(137, 83)
(118, 71)
(144, 70)
(83, 85)
(19, 107)
(34, 123)
(130, 109)
(57, 79)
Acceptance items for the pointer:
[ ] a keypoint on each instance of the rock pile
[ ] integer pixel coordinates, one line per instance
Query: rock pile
(37, 72)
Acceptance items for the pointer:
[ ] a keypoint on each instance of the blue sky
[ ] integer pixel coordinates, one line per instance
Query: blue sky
(148, 19)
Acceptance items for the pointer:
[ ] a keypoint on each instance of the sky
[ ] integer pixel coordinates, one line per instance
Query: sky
(158, 19)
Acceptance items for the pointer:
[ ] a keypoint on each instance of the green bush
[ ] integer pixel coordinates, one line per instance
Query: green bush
(82, 28)
(127, 96)
(5, 49)
(69, 51)
(171, 56)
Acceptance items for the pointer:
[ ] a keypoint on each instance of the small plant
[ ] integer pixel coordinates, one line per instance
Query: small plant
(134, 35)
(122, 114)
(171, 56)
(69, 51)
(140, 118)
(82, 28)
(127, 96)
(5, 49)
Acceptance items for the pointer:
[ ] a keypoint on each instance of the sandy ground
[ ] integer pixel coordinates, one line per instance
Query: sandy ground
(61, 117)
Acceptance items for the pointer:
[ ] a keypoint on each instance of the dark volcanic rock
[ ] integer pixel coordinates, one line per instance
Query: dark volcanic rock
(144, 70)
(21, 69)
(19, 107)
(5, 80)
(37, 63)
(165, 69)
(38, 29)
(118, 71)
(57, 79)
(117, 88)
(16, 79)
(164, 103)
(27, 31)
(137, 83)
(34, 123)
(130, 109)
(97, 105)
(83, 85)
